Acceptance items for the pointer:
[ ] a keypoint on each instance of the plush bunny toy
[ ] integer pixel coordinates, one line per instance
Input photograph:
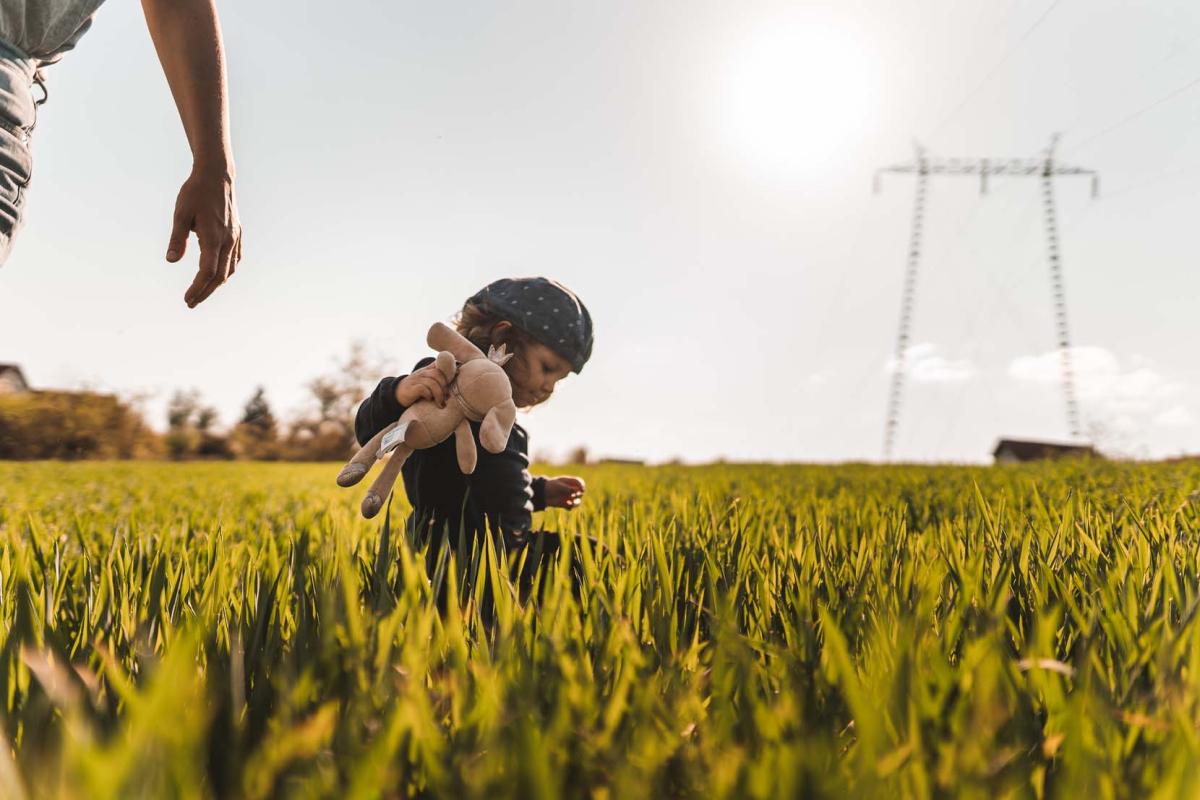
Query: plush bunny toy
(479, 392)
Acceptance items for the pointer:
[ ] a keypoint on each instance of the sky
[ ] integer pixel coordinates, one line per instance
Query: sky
(700, 173)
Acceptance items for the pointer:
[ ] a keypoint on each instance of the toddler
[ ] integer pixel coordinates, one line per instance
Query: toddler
(549, 331)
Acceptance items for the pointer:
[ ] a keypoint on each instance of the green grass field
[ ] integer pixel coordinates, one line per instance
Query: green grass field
(235, 630)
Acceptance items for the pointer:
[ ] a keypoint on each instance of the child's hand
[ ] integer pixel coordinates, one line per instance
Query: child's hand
(565, 491)
(427, 383)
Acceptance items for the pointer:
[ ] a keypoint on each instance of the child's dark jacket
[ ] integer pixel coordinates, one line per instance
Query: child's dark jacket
(500, 493)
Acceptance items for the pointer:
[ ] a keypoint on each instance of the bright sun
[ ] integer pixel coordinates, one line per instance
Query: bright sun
(794, 96)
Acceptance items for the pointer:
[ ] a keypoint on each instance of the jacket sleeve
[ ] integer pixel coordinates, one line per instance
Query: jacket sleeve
(539, 493)
(381, 408)
(501, 486)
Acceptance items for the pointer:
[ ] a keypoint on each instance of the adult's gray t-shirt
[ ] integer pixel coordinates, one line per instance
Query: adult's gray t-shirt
(45, 29)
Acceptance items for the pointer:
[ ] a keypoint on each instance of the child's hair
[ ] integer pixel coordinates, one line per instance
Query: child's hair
(477, 324)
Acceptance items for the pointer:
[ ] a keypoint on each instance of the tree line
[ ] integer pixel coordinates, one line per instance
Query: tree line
(78, 425)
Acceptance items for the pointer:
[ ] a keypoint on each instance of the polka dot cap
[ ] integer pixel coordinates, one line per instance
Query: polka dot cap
(546, 310)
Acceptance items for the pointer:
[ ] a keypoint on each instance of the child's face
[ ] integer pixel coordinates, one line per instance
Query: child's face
(534, 371)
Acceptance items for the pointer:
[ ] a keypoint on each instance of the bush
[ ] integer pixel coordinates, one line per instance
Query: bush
(72, 425)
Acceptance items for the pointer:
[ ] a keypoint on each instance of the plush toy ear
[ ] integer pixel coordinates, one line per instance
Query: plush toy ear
(497, 425)
(443, 337)
(445, 362)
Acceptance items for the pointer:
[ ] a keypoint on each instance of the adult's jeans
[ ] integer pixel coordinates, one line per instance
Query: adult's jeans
(18, 113)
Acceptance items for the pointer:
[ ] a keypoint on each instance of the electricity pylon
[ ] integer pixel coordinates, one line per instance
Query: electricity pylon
(1045, 168)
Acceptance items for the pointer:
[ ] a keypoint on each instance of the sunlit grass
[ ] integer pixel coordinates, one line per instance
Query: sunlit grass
(236, 630)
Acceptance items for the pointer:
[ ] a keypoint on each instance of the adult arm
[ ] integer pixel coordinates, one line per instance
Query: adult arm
(187, 37)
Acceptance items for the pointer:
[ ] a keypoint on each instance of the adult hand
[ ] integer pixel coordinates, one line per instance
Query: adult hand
(187, 37)
(206, 205)
(427, 383)
(565, 491)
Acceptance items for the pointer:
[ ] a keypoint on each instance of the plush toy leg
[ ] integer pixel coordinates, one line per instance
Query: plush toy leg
(464, 445)
(363, 460)
(383, 484)
(497, 425)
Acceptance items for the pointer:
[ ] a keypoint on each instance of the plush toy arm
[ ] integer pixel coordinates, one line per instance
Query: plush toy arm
(443, 337)
(364, 459)
(464, 445)
(497, 425)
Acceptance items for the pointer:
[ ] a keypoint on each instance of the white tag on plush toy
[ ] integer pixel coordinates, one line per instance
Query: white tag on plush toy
(392, 438)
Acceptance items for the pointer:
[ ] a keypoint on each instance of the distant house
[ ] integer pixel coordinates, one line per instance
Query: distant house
(12, 380)
(1012, 451)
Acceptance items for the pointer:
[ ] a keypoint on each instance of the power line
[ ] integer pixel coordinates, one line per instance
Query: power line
(995, 69)
(1140, 112)
(1175, 50)
(1158, 178)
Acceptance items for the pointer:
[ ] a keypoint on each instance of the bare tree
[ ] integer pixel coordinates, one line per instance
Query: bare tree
(326, 431)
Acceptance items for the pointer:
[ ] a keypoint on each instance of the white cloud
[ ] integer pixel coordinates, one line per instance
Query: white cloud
(924, 364)
(1175, 417)
(1101, 380)
(1124, 402)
